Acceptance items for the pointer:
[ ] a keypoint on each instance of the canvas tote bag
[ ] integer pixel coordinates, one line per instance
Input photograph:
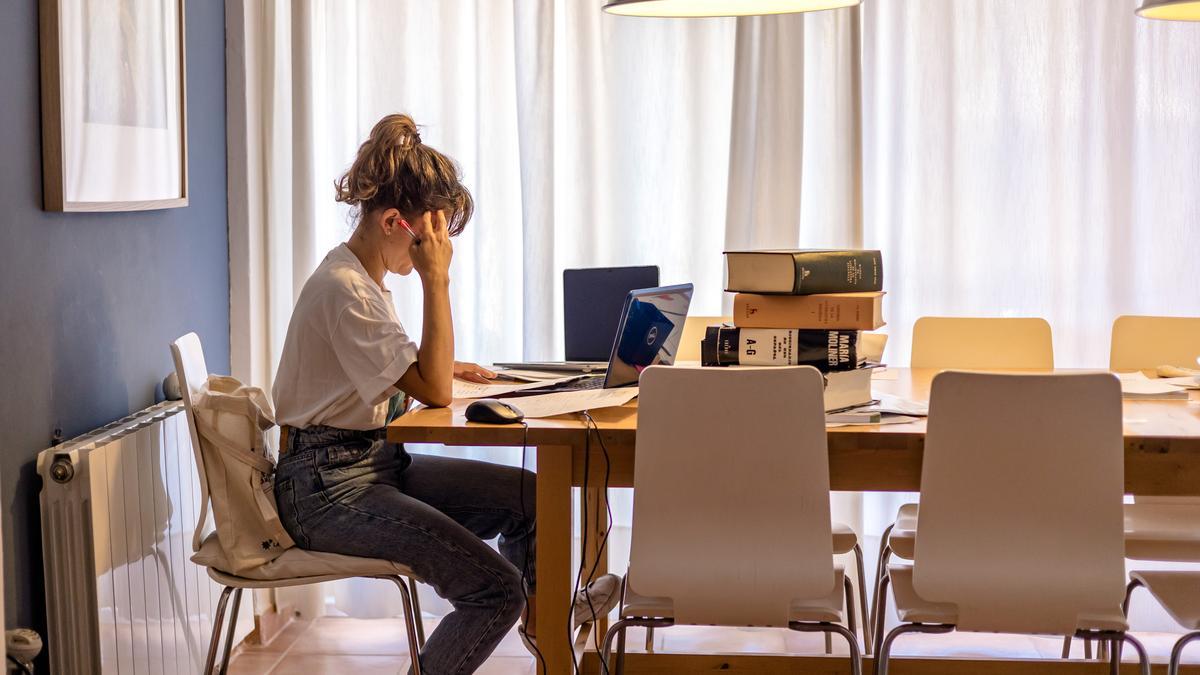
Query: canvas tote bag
(232, 420)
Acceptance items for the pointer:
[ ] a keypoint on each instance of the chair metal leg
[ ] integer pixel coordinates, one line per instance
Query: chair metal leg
(850, 619)
(1143, 657)
(880, 610)
(828, 644)
(862, 597)
(1177, 651)
(410, 621)
(621, 651)
(233, 614)
(416, 608)
(1133, 585)
(649, 639)
(880, 566)
(618, 629)
(1114, 657)
(218, 619)
(830, 629)
(881, 656)
(1066, 652)
(1087, 648)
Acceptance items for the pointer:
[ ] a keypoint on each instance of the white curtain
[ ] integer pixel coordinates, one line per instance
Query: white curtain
(1008, 157)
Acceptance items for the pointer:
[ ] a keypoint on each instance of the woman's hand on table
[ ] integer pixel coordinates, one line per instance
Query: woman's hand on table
(471, 372)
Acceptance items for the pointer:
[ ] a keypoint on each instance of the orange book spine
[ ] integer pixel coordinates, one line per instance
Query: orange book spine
(828, 311)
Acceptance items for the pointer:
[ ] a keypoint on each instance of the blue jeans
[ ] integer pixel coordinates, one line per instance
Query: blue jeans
(350, 492)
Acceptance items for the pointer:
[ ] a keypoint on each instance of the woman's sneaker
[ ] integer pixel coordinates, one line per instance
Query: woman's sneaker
(601, 595)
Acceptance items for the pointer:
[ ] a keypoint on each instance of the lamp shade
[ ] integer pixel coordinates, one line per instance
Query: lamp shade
(701, 8)
(1171, 10)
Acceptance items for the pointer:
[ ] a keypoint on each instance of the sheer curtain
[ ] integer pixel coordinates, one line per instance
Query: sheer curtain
(1031, 159)
(1008, 157)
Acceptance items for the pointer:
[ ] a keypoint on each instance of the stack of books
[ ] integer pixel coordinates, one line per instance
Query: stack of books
(802, 307)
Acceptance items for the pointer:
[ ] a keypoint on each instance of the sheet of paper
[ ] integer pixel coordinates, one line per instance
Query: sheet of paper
(563, 402)
(884, 374)
(529, 375)
(475, 390)
(1188, 382)
(1137, 385)
(897, 406)
(887, 419)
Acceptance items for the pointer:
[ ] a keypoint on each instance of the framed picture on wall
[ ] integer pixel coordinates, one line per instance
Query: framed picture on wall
(114, 128)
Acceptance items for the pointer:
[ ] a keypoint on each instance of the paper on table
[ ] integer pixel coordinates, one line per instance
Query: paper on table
(1188, 382)
(896, 406)
(464, 389)
(563, 402)
(529, 375)
(1137, 385)
(884, 374)
(886, 419)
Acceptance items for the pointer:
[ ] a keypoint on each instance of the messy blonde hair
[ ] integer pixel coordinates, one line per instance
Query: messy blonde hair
(394, 169)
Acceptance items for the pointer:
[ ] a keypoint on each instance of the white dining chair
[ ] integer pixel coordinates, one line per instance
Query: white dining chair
(731, 519)
(999, 451)
(1162, 528)
(295, 567)
(964, 343)
(1178, 591)
(845, 539)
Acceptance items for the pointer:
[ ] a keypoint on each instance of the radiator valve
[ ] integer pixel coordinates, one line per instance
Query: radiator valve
(62, 470)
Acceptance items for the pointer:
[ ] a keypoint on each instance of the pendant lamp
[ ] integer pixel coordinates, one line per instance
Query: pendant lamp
(1171, 10)
(702, 8)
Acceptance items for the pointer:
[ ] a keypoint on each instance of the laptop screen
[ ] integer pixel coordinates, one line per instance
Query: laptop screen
(649, 333)
(592, 302)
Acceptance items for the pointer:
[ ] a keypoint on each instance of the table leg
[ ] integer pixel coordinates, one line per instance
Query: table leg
(554, 579)
(595, 505)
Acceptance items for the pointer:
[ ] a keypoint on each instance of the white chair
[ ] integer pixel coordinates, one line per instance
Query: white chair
(1000, 452)
(295, 567)
(1179, 593)
(963, 343)
(1162, 528)
(971, 343)
(693, 335)
(731, 507)
(1147, 342)
(845, 539)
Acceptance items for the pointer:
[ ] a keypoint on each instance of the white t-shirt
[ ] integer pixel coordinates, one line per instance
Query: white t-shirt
(344, 352)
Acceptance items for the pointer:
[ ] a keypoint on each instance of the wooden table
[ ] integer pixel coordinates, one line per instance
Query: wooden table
(1162, 450)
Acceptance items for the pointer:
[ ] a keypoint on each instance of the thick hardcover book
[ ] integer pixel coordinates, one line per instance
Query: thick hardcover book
(859, 311)
(804, 271)
(848, 389)
(826, 350)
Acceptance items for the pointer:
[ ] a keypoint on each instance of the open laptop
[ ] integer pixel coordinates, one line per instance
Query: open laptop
(648, 334)
(592, 306)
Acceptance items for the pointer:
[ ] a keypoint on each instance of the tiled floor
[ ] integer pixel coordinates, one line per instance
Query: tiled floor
(373, 647)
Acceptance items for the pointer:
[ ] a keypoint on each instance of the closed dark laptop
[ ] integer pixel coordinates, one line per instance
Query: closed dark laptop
(592, 303)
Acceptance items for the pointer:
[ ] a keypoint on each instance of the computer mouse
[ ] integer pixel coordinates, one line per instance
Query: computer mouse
(492, 411)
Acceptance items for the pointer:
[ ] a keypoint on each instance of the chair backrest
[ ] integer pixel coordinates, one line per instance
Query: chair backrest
(693, 334)
(1021, 490)
(192, 373)
(1147, 342)
(731, 499)
(970, 343)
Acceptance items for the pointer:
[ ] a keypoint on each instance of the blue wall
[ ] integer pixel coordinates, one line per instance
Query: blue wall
(89, 302)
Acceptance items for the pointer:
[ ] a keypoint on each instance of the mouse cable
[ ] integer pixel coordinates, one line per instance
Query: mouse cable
(525, 562)
(600, 552)
(583, 538)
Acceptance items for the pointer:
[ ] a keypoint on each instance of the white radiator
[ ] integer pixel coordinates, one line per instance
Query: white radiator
(118, 508)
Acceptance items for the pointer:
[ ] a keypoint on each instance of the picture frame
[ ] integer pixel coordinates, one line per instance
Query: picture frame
(114, 105)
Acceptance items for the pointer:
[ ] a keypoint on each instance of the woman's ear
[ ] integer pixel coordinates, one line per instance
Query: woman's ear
(389, 221)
